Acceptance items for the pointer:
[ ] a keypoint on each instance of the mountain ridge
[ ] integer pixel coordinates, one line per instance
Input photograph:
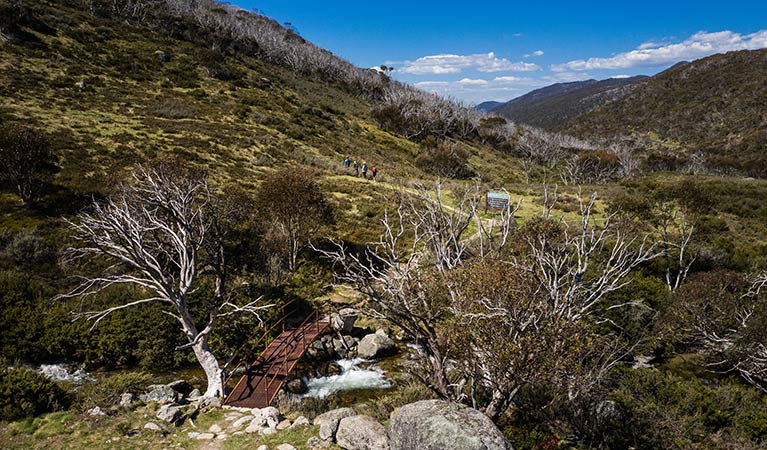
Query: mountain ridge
(550, 106)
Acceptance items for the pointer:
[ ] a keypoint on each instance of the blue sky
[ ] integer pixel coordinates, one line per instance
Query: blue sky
(498, 50)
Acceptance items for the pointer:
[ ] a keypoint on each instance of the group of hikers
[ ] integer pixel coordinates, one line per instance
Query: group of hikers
(355, 166)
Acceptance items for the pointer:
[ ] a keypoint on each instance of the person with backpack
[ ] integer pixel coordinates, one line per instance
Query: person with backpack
(347, 161)
(364, 170)
(373, 173)
(356, 169)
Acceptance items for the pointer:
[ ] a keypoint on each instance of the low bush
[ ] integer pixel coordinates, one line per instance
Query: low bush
(26, 393)
(106, 391)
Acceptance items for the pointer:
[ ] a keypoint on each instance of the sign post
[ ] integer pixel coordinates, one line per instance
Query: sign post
(496, 200)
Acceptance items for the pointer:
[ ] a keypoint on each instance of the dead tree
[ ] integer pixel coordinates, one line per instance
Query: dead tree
(159, 235)
(483, 335)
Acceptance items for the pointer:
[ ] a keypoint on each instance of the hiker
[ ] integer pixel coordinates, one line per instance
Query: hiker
(356, 169)
(364, 170)
(373, 173)
(347, 161)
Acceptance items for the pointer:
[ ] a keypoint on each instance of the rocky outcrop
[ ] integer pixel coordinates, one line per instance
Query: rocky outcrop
(376, 345)
(328, 422)
(361, 433)
(344, 320)
(161, 393)
(127, 399)
(438, 425)
(171, 413)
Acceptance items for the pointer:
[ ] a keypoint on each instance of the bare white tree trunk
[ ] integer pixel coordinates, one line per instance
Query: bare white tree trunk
(158, 234)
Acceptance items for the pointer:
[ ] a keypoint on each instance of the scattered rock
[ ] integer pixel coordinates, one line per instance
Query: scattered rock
(96, 411)
(301, 421)
(267, 431)
(192, 434)
(205, 436)
(127, 399)
(316, 443)
(362, 433)
(269, 416)
(437, 425)
(296, 386)
(242, 421)
(209, 402)
(328, 422)
(182, 387)
(262, 447)
(283, 425)
(159, 393)
(233, 416)
(256, 423)
(285, 447)
(171, 413)
(642, 362)
(215, 428)
(222, 436)
(376, 345)
(344, 320)
(80, 84)
(195, 394)
(345, 347)
(152, 426)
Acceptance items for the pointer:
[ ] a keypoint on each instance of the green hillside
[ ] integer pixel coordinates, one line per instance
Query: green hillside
(713, 107)
(112, 94)
(551, 106)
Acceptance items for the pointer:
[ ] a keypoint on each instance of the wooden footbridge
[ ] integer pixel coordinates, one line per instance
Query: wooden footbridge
(264, 376)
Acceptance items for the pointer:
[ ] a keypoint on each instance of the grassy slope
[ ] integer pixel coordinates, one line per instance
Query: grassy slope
(133, 107)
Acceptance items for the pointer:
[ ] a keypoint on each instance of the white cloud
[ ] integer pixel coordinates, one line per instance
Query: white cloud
(447, 64)
(429, 84)
(469, 81)
(650, 54)
(621, 76)
(535, 53)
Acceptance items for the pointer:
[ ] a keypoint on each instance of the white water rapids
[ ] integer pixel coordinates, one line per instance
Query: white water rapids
(59, 372)
(352, 377)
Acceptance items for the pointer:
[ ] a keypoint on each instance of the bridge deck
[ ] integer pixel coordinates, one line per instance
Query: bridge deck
(266, 375)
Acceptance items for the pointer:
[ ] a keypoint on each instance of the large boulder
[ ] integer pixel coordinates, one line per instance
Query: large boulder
(343, 321)
(361, 433)
(328, 422)
(159, 393)
(171, 413)
(345, 346)
(376, 345)
(438, 425)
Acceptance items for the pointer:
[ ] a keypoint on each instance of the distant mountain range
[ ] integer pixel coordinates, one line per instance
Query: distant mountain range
(487, 106)
(551, 106)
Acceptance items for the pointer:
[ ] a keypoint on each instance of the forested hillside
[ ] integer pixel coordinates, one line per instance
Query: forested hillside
(551, 106)
(709, 112)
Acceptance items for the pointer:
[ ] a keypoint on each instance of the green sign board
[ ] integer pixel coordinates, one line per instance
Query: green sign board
(497, 200)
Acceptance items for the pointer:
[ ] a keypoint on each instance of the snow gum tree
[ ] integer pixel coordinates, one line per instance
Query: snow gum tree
(165, 233)
(493, 306)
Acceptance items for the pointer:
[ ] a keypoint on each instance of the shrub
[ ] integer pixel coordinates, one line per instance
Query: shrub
(171, 109)
(445, 160)
(26, 393)
(107, 391)
(28, 248)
